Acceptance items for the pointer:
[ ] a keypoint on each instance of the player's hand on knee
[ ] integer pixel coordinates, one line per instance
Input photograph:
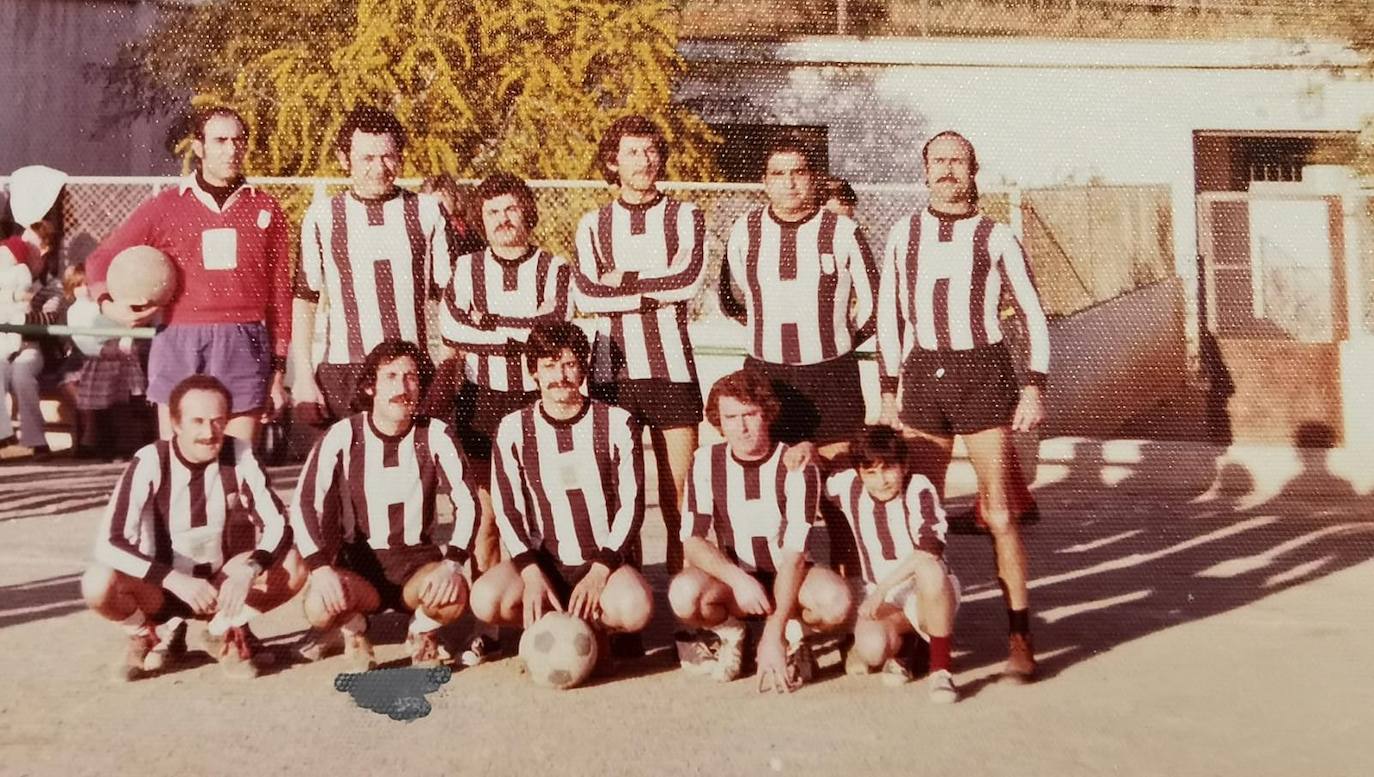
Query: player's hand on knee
(750, 595)
(539, 597)
(798, 456)
(773, 673)
(326, 584)
(1030, 411)
(441, 585)
(585, 601)
(198, 593)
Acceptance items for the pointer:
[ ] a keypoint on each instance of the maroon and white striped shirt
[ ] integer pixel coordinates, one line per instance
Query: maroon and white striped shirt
(888, 532)
(573, 488)
(512, 297)
(757, 509)
(661, 249)
(373, 261)
(941, 290)
(169, 514)
(360, 485)
(808, 286)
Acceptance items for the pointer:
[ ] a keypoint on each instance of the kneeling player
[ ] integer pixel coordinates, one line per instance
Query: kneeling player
(762, 514)
(364, 515)
(568, 493)
(899, 527)
(169, 545)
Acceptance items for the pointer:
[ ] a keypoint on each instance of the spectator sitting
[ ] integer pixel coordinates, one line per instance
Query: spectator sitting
(23, 260)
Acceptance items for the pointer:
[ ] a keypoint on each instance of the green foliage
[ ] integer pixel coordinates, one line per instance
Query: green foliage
(479, 84)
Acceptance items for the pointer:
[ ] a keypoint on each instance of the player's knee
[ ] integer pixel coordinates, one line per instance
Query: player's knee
(684, 595)
(97, 583)
(998, 520)
(485, 599)
(315, 611)
(628, 604)
(297, 573)
(930, 574)
(830, 603)
(871, 642)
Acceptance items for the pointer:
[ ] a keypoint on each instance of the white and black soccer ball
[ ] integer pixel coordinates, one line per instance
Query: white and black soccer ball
(559, 650)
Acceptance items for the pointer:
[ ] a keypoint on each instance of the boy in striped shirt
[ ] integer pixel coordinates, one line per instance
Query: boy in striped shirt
(899, 528)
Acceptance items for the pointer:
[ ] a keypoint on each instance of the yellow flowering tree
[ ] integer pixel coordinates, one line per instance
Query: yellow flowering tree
(479, 84)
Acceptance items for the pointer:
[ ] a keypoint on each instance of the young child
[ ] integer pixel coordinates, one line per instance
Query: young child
(111, 377)
(899, 527)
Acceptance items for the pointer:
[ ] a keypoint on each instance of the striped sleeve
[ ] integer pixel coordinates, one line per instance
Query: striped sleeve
(1027, 301)
(309, 280)
(558, 302)
(592, 295)
(803, 493)
(733, 267)
(686, 271)
(696, 504)
(317, 509)
(625, 436)
(122, 529)
(892, 324)
(509, 491)
(268, 511)
(925, 515)
(863, 269)
(453, 470)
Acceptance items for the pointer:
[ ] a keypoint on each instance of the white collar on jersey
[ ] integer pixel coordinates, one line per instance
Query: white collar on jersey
(188, 183)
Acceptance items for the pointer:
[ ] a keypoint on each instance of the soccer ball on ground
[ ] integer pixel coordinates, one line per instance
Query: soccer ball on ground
(559, 650)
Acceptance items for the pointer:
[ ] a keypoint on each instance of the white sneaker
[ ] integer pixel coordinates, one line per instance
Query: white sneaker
(941, 688)
(896, 673)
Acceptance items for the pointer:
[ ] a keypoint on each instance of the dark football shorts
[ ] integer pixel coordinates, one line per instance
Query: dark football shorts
(562, 577)
(338, 385)
(946, 393)
(661, 404)
(388, 570)
(821, 403)
(478, 413)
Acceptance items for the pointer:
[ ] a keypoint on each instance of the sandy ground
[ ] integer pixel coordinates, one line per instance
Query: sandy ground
(1182, 631)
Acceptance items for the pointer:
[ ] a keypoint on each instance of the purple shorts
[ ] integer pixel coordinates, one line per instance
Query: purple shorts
(240, 355)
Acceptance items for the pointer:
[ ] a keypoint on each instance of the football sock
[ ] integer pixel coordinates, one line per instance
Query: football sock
(1018, 621)
(135, 623)
(939, 653)
(356, 624)
(422, 623)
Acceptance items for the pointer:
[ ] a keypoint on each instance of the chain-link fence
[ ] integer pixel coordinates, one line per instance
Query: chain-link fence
(1087, 244)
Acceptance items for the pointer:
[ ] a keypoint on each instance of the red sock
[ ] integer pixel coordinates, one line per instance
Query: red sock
(939, 653)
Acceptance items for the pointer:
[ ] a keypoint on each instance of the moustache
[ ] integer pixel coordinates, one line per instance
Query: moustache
(947, 178)
(401, 399)
(562, 385)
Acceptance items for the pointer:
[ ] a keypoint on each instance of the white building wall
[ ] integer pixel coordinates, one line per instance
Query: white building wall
(1040, 112)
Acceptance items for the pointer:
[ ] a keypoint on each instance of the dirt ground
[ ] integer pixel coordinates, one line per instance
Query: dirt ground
(1184, 626)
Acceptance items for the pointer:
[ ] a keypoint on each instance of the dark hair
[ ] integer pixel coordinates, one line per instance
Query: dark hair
(198, 382)
(385, 353)
(371, 120)
(634, 125)
(878, 445)
(972, 154)
(839, 189)
(498, 185)
(748, 386)
(793, 143)
(203, 116)
(547, 341)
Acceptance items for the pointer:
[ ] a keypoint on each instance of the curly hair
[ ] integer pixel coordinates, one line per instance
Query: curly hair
(748, 387)
(636, 126)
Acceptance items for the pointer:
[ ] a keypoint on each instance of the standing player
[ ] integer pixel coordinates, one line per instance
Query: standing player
(231, 317)
(899, 527)
(940, 339)
(496, 297)
(641, 261)
(761, 513)
(364, 515)
(374, 253)
(177, 541)
(569, 498)
(808, 282)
